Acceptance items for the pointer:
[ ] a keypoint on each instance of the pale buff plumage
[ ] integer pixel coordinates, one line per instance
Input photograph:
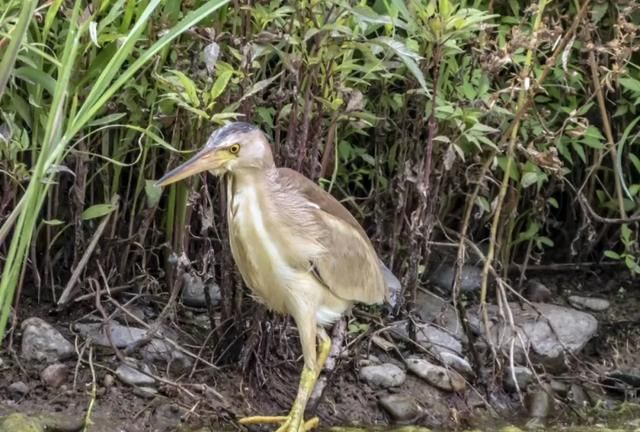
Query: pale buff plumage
(297, 248)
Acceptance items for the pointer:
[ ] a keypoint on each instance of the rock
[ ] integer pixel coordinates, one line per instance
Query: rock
(436, 339)
(385, 375)
(145, 392)
(108, 380)
(539, 404)
(158, 350)
(130, 374)
(523, 376)
(546, 336)
(579, 396)
(54, 375)
(167, 417)
(193, 291)
(122, 336)
(591, 303)
(18, 422)
(537, 292)
(435, 310)
(429, 336)
(623, 381)
(401, 408)
(559, 388)
(18, 389)
(470, 281)
(43, 343)
(435, 375)
(460, 364)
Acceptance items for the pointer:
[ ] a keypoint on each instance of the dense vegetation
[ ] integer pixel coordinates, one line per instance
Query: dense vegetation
(505, 124)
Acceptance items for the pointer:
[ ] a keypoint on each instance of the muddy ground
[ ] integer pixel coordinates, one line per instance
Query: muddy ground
(205, 397)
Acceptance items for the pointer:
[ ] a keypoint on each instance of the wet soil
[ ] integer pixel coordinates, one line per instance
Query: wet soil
(214, 399)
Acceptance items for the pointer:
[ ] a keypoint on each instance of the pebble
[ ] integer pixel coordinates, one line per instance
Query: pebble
(108, 380)
(523, 376)
(54, 375)
(18, 389)
(401, 408)
(158, 350)
(193, 292)
(538, 292)
(591, 303)
(43, 343)
(539, 404)
(385, 375)
(435, 375)
(145, 392)
(121, 336)
(458, 363)
(132, 376)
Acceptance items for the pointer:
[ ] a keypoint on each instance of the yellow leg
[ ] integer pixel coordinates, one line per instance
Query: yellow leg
(294, 422)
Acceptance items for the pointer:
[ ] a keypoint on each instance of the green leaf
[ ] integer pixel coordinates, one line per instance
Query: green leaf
(110, 118)
(630, 84)
(153, 192)
(625, 231)
(611, 254)
(97, 210)
(221, 83)
(545, 241)
(553, 202)
(529, 179)
(189, 86)
(532, 231)
(635, 161)
(53, 222)
(408, 57)
(593, 138)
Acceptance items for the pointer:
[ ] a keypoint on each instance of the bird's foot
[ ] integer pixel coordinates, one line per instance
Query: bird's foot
(291, 423)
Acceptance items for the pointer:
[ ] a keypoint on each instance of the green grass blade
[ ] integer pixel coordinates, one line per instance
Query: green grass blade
(17, 36)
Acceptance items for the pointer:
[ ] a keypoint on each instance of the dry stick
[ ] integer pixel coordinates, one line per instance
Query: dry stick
(595, 78)
(64, 298)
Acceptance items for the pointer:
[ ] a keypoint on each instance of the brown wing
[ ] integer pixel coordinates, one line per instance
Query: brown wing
(351, 269)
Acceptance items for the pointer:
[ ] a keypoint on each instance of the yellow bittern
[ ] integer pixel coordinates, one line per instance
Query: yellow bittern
(297, 248)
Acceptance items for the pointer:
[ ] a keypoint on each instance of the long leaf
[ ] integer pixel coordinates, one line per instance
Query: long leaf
(17, 36)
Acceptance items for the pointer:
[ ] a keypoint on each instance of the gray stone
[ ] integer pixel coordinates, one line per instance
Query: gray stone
(591, 303)
(18, 389)
(43, 343)
(470, 281)
(539, 404)
(167, 417)
(193, 291)
(158, 350)
(130, 373)
(108, 380)
(54, 375)
(456, 362)
(517, 374)
(536, 291)
(401, 408)
(121, 335)
(547, 334)
(385, 375)
(435, 375)
(433, 309)
(145, 392)
(429, 336)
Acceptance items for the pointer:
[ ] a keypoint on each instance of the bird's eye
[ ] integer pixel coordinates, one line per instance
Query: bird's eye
(234, 149)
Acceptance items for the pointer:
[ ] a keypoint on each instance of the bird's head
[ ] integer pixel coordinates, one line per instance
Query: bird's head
(235, 146)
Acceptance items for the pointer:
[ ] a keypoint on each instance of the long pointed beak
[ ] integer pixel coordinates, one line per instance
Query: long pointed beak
(205, 159)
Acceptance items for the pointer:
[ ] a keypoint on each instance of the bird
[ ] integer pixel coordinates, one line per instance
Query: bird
(297, 248)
